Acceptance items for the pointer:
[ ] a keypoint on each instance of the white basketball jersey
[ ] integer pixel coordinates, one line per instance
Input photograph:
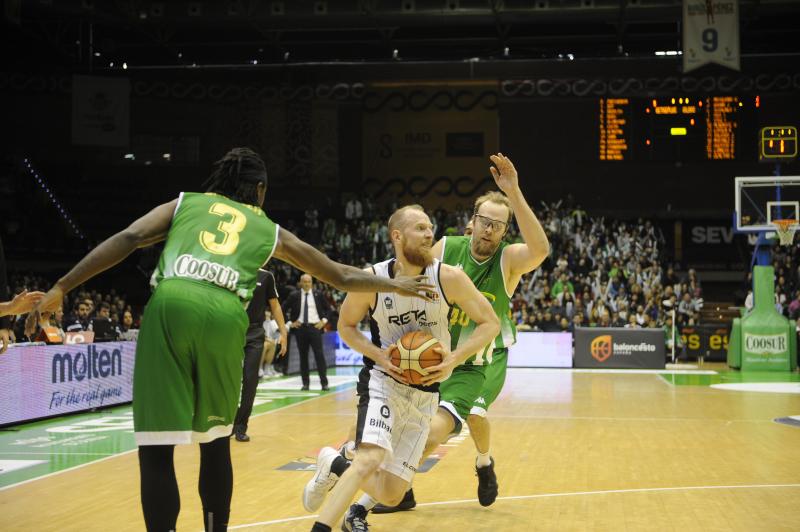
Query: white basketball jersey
(394, 315)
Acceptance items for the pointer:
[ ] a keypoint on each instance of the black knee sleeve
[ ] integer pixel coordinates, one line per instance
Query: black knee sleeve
(159, 488)
(216, 483)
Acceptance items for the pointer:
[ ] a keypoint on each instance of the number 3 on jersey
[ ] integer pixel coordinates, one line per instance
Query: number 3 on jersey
(229, 228)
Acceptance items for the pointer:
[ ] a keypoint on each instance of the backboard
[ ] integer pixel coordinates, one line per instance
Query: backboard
(761, 200)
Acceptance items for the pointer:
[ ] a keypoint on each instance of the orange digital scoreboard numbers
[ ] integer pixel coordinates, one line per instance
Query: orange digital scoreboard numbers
(721, 127)
(777, 143)
(614, 116)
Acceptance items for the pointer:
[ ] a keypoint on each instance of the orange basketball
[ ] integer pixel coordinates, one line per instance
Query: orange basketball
(414, 353)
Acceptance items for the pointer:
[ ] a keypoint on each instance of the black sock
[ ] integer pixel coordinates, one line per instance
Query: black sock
(216, 483)
(320, 527)
(161, 501)
(339, 466)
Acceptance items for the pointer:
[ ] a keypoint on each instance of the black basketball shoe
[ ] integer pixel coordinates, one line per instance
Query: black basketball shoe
(356, 519)
(487, 484)
(407, 503)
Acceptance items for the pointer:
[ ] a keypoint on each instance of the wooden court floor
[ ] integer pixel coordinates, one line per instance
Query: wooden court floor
(574, 451)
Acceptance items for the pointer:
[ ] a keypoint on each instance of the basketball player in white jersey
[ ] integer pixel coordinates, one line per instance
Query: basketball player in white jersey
(393, 416)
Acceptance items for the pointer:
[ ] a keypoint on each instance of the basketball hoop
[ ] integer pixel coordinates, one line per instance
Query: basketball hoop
(785, 230)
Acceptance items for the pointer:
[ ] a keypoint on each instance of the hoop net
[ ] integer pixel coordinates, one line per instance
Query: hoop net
(785, 230)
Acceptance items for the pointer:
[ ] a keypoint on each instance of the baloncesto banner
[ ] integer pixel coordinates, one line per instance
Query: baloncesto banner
(597, 347)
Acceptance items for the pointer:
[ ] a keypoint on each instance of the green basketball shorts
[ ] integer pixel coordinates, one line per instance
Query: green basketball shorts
(495, 378)
(458, 393)
(188, 370)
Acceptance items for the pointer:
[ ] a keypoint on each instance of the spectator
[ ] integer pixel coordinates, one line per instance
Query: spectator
(101, 324)
(563, 285)
(126, 330)
(353, 210)
(79, 319)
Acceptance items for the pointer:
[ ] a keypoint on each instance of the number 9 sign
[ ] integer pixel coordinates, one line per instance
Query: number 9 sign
(710, 33)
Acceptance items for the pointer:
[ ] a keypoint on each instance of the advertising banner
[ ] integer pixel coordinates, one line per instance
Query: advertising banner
(532, 350)
(597, 347)
(706, 341)
(43, 381)
(541, 350)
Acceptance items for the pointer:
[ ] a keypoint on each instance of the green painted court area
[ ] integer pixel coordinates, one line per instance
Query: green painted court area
(729, 377)
(42, 448)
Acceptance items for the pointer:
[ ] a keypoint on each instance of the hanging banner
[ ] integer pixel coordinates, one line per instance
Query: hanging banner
(100, 111)
(710, 33)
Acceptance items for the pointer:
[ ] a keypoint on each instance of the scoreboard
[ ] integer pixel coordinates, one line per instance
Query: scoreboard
(681, 128)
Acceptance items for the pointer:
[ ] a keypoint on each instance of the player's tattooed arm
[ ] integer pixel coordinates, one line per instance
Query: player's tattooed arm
(310, 260)
(147, 230)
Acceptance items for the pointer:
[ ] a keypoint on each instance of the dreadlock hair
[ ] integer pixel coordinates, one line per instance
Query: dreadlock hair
(237, 176)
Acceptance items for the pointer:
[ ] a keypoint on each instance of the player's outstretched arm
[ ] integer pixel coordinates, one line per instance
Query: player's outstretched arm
(521, 258)
(147, 230)
(312, 261)
(460, 291)
(356, 305)
(22, 303)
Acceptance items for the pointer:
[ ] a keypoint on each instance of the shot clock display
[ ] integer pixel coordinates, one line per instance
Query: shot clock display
(777, 143)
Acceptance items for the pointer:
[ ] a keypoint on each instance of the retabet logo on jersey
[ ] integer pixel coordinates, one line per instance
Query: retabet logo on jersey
(601, 348)
(89, 365)
(205, 270)
(416, 315)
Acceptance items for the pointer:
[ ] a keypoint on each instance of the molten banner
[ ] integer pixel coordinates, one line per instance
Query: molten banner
(44, 381)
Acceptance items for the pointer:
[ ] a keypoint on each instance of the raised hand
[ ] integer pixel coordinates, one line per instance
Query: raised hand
(504, 173)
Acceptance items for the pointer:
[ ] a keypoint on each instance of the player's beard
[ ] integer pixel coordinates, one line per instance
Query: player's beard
(420, 256)
(481, 248)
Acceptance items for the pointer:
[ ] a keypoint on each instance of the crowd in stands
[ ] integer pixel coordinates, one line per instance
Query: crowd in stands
(600, 272)
(107, 315)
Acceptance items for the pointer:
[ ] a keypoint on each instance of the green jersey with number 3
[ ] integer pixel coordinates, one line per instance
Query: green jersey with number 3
(216, 240)
(487, 276)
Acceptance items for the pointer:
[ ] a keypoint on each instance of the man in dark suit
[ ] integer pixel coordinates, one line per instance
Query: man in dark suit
(308, 311)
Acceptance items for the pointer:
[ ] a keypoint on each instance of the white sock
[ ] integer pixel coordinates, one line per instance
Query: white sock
(484, 459)
(350, 450)
(367, 502)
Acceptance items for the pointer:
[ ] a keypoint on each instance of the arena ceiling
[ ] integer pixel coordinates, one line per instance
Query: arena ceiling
(73, 34)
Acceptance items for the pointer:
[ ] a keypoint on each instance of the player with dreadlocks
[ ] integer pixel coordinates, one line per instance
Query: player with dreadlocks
(188, 368)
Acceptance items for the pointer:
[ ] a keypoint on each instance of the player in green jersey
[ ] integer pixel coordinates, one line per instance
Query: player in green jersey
(495, 268)
(188, 367)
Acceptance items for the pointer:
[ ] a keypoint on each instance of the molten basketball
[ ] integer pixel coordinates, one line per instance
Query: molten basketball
(414, 353)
